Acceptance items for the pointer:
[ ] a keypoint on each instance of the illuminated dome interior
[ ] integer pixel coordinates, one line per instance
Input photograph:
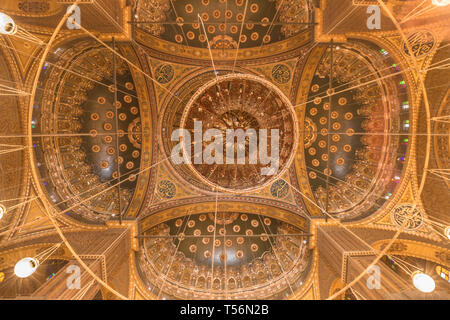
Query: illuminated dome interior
(242, 259)
(222, 20)
(237, 102)
(354, 145)
(353, 96)
(111, 122)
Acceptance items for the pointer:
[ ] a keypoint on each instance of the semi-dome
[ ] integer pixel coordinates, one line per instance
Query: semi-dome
(95, 129)
(224, 254)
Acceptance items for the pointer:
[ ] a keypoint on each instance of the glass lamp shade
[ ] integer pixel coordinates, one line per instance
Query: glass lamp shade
(26, 267)
(423, 282)
(2, 211)
(7, 24)
(441, 3)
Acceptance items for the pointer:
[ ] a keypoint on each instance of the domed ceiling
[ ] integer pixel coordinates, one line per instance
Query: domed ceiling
(354, 149)
(344, 146)
(96, 131)
(241, 102)
(351, 152)
(177, 21)
(230, 102)
(249, 256)
(342, 111)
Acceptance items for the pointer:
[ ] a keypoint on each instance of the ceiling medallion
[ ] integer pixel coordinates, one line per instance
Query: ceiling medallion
(256, 112)
(167, 189)
(281, 73)
(134, 133)
(407, 212)
(223, 218)
(164, 73)
(310, 134)
(421, 43)
(223, 42)
(279, 189)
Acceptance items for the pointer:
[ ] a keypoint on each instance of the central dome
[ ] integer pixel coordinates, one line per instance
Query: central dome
(247, 115)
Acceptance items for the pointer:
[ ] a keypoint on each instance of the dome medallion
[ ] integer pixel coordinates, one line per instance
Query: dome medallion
(244, 133)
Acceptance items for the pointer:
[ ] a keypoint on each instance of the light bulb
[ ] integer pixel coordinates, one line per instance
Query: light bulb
(423, 282)
(25, 267)
(447, 232)
(7, 24)
(441, 3)
(2, 211)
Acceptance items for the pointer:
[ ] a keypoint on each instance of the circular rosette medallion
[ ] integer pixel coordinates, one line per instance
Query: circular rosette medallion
(164, 73)
(408, 212)
(242, 133)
